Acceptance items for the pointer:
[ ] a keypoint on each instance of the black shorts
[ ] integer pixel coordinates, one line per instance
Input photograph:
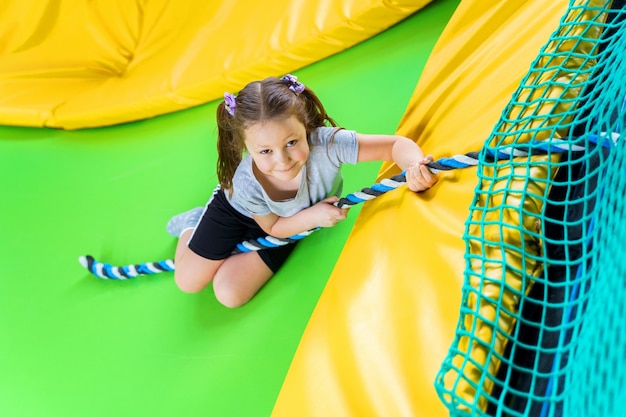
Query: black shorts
(222, 227)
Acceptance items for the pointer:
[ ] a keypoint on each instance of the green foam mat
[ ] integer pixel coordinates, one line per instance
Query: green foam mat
(74, 345)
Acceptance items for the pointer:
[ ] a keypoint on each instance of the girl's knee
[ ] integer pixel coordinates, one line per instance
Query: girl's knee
(186, 283)
(229, 296)
(239, 278)
(193, 273)
(191, 279)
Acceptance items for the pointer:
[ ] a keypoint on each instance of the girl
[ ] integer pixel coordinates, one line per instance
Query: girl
(285, 184)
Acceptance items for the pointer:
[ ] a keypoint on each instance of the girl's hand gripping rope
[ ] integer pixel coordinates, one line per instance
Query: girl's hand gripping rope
(326, 212)
(419, 177)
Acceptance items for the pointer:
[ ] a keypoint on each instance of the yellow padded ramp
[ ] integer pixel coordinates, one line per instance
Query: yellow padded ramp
(384, 323)
(73, 63)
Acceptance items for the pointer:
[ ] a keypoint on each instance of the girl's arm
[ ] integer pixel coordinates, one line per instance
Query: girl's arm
(404, 152)
(322, 214)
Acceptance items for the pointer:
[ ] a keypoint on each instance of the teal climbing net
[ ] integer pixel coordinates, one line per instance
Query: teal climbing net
(540, 330)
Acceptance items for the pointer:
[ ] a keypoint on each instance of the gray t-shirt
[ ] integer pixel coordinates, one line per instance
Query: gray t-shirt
(321, 176)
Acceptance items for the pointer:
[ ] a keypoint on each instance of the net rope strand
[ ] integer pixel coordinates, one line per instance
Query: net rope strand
(540, 331)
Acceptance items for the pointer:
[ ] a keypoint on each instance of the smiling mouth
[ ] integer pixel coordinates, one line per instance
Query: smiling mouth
(285, 170)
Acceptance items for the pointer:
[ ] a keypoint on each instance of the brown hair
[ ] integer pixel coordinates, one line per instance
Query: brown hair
(260, 101)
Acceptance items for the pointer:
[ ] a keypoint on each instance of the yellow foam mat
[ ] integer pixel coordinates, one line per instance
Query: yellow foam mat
(74, 63)
(384, 323)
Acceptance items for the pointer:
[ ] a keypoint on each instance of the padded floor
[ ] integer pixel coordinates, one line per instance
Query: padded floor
(76, 346)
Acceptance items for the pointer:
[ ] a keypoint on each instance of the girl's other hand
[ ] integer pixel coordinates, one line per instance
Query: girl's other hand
(418, 177)
(326, 214)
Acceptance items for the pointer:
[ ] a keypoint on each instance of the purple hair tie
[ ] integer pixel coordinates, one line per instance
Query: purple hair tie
(230, 103)
(293, 83)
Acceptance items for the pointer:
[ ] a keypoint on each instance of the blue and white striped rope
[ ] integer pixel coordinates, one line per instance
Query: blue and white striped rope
(269, 242)
(471, 159)
(531, 148)
(108, 271)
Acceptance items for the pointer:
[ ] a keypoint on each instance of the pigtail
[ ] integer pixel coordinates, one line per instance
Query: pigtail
(315, 110)
(229, 147)
(316, 113)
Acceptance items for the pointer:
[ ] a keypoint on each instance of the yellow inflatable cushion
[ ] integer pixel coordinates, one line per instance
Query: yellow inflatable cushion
(72, 64)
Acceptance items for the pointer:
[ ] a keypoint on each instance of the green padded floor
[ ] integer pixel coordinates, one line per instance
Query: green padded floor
(75, 346)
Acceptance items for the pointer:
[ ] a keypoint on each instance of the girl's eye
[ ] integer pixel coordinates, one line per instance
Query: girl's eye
(265, 151)
(291, 143)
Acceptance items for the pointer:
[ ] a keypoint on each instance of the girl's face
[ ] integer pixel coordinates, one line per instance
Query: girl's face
(278, 147)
